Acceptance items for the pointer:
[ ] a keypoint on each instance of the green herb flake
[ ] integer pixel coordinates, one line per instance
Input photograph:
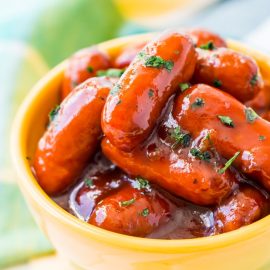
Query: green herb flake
(111, 72)
(115, 89)
(90, 69)
(229, 163)
(169, 65)
(251, 115)
(200, 155)
(157, 62)
(208, 46)
(180, 137)
(262, 138)
(151, 93)
(88, 182)
(145, 212)
(119, 102)
(184, 86)
(142, 183)
(226, 120)
(127, 203)
(53, 113)
(254, 80)
(217, 83)
(141, 55)
(74, 84)
(207, 137)
(199, 102)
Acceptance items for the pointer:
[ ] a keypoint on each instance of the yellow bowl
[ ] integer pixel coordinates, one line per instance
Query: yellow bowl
(93, 248)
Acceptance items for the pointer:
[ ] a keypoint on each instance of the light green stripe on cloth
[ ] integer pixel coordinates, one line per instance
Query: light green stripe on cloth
(20, 238)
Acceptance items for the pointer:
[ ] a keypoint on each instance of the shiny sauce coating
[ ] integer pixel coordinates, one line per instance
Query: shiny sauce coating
(102, 182)
(137, 148)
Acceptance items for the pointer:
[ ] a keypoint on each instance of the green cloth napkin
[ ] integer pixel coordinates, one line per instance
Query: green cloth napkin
(20, 238)
(35, 36)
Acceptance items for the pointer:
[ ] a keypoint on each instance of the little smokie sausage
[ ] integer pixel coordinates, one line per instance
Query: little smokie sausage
(244, 207)
(239, 130)
(136, 102)
(85, 196)
(132, 210)
(206, 39)
(229, 71)
(127, 55)
(81, 66)
(193, 179)
(72, 136)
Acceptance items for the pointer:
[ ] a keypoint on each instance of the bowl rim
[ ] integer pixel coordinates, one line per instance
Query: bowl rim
(27, 181)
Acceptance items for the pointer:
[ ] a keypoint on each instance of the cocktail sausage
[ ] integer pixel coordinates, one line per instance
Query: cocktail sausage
(72, 137)
(83, 65)
(137, 100)
(229, 71)
(238, 128)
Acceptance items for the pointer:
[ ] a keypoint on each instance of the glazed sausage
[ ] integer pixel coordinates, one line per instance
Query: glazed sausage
(242, 208)
(127, 55)
(131, 211)
(229, 71)
(92, 189)
(72, 137)
(202, 37)
(195, 180)
(136, 102)
(237, 127)
(81, 66)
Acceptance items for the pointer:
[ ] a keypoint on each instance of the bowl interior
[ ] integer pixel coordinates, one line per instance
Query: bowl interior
(31, 122)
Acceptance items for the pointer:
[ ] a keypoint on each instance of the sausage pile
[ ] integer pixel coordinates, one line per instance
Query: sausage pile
(169, 139)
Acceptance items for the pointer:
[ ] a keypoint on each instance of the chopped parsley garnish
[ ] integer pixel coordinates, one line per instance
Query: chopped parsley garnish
(199, 102)
(127, 203)
(141, 55)
(217, 83)
(115, 89)
(251, 115)
(200, 155)
(142, 183)
(145, 212)
(262, 138)
(254, 80)
(119, 102)
(228, 163)
(184, 86)
(180, 137)
(111, 72)
(207, 137)
(90, 69)
(151, 93)
(226, 120)
(88, 182)
(195, 181)
(208, 46)
(157, 62)
(53, 113)
(74, 84)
